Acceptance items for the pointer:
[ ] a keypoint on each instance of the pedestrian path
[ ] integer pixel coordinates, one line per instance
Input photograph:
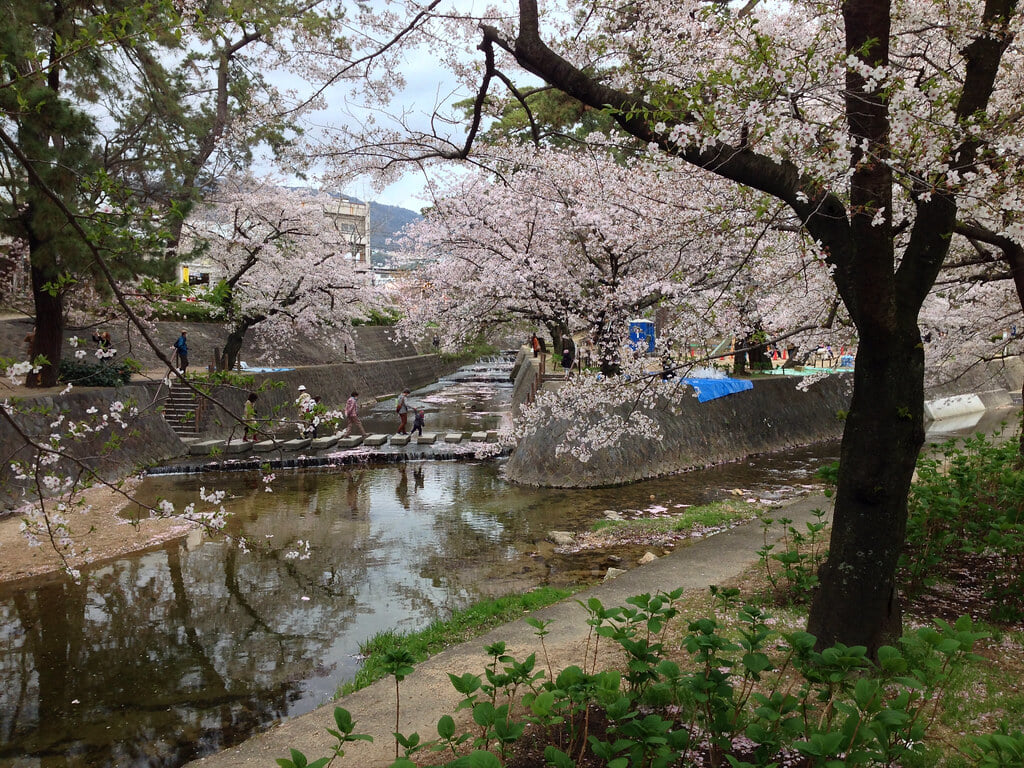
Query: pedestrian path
(427, 694)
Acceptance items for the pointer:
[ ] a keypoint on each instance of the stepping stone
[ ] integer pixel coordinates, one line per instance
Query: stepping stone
(203, 447)
(375, 440)
(492, 435)
(265, 445)
(399, 440)
(350, 442)
(319, 443)
(297, 444)
(478, 437)
(426, 438)
(453, 437)
(237, 446)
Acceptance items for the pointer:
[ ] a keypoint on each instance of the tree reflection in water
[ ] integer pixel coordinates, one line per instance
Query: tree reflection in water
(182, 650)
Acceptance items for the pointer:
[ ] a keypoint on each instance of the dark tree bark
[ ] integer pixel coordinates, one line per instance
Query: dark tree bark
(49, 329)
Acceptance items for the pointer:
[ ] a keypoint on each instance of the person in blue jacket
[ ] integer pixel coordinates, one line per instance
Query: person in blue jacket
(181, 352)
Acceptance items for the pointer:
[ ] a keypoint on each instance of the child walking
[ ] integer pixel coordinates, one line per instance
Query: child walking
(417, 422)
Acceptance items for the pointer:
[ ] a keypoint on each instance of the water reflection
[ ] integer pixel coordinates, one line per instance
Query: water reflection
(157, 658)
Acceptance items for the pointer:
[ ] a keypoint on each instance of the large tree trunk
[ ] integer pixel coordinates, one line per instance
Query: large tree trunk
(232, 347)
(49, 331)
(233, 344)
(857, 602)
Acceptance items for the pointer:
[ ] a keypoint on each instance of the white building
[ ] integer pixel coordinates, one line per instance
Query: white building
(352, 217)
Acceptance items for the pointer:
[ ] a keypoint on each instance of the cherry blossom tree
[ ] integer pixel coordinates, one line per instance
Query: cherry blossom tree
(112, 116)
(872, 126)
(285, 262)
(881, 127)
(582, 240)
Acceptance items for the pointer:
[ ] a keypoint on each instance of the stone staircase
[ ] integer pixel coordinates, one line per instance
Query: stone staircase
(181, 410)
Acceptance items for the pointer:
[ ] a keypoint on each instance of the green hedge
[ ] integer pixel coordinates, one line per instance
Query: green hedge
(106, 373)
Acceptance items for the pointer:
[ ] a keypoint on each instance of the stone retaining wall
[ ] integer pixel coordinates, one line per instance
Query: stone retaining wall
(370, 342)
(376, 380)
(146, 440)
(773, 416)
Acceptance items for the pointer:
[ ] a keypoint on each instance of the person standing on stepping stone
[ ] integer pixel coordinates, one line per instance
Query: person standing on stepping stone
(417, 422)
(402, 409)
(352, 414)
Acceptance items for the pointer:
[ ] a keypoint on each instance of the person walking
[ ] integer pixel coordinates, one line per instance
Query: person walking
(417, 422)
(352, 414)
(181, 352)
(567, 360)
(402, 409)
(535, 345)
(249, 417)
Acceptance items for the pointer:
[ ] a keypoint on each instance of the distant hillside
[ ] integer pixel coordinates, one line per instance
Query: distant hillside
(386, 221)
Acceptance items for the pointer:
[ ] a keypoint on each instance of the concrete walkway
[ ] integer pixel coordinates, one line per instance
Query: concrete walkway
(427, 694)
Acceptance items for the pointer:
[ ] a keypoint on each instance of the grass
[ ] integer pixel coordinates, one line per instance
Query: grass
(463, 625)
(714, 515)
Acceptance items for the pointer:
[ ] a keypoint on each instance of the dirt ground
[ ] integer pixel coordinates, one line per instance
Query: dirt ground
(101, 532)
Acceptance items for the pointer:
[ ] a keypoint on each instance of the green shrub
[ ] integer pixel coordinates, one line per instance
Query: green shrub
(745, 695)
(189, 311)
(967, 510)
(379, 317)
(104, 373)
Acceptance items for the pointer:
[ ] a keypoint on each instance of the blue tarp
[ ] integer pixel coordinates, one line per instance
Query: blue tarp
(709, 389)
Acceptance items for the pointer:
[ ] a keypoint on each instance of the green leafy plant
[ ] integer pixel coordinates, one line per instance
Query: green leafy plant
(343, 732)
(745, 683)
(105, 373)
(791, 567)
(966, 511)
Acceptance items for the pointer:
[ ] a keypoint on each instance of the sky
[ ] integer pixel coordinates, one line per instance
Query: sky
(427, 82)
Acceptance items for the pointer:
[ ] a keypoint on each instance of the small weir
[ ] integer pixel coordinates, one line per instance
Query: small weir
(176, 652)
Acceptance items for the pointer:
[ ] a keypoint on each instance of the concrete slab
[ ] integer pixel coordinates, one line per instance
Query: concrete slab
(399, 440)
(478, 437)
(453, 437)
(237, 446)
(319, 443)
(948, 407)
(350, 442)
(375, 440)
(265, 445)
(426, 438)
(492, 435)
(297, 444)
(203, 447)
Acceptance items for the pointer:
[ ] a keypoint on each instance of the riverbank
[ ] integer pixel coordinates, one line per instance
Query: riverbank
(102, 529)
(427, 693)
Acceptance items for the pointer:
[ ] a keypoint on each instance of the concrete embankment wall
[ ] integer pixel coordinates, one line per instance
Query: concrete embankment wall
(112, 452)
(374, 380)
(773, 416)
(148, 440)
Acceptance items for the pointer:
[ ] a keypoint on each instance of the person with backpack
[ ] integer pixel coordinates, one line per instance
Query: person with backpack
(402, 409)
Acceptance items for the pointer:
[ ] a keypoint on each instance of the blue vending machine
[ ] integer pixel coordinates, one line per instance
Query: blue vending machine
(641, 335)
